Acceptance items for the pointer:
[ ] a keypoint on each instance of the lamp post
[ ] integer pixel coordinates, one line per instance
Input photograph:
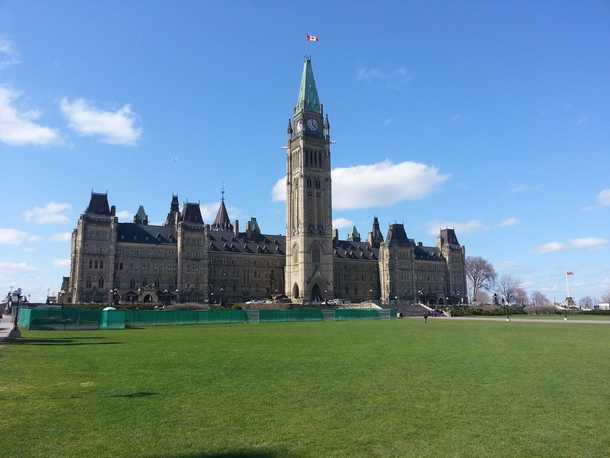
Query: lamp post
(15, 332)
(48, 289)
(505, 302)
(371, 295)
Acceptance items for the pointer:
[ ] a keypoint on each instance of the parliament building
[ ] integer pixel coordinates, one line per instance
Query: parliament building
(189, 260)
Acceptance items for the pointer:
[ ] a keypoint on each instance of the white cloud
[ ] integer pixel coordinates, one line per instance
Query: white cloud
(8, 53)
(35, 238)
(12, 236)
(393, 79)
(581, 121)
(550, 247)
(604, 197)
(584, 243)
(61, 262)
(52, 212)
(464, 227)
(115, 127)
(125, 214)
(368, 73)
(17, 127)
(509, 222)
(62, 237)
(364, 186)
(589, 243)
(340, 223)
(13, 268)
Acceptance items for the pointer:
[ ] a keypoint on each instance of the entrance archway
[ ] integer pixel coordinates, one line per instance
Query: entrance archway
(316, 294)
(295, 291)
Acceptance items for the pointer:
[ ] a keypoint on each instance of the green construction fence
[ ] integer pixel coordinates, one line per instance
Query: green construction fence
(56, 318)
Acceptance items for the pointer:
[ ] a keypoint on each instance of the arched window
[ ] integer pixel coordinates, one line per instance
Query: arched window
(91, 263)
(315, 254)
(145, 282)
(100, 282)
(95, 264)
(88, 282)
(117, 282)
(157, 283)
(132, 283)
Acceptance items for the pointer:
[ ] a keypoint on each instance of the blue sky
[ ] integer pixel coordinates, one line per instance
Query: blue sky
(489, 117)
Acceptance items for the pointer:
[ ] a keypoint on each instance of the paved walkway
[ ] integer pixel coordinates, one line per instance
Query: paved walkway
(6, 324)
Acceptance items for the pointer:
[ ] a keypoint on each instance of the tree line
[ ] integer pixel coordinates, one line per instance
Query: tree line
(483, 282)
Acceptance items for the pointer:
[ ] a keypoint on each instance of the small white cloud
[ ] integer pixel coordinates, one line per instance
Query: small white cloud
(115, 127)
(461, 227)
(12, 236)
(52, 212)
(581, 121)
(62, 237)
(8, 53)
(341, 223)
(509, 222)
(17, 128)
(124, 214)
(61, 262)
(35, 238)
(13, 268)
(384, 183)
(550, 247)
(388, 121)
(589, 243)
(368, 73)
(604, 197)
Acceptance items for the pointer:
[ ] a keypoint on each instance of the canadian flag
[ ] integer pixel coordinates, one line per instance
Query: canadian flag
(311, 38)
(569, 273)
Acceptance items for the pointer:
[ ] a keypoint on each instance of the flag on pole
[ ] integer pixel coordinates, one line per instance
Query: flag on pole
(569, 273)
(312, 38)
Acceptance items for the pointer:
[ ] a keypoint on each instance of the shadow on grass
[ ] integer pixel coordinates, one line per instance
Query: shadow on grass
(242, 454)
(59, 341)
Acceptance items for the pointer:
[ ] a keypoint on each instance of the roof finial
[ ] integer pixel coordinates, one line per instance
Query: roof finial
(223, 192)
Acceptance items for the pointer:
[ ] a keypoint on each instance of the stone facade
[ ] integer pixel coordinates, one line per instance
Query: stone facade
(186, 259)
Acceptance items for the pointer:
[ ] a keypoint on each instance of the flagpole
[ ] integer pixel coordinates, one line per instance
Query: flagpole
(567, 285)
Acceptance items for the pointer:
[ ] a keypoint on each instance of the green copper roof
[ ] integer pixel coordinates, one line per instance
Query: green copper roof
(141, 213)
(353, 232)
(308, 94)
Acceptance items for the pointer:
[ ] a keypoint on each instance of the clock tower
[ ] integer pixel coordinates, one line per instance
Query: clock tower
(309, 245)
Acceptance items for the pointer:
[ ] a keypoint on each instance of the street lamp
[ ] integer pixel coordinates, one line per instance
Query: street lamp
(15, 332)
(505, 302)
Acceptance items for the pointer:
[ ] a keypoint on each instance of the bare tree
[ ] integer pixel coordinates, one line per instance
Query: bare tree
(510, 287)
(482, 297)
(521, 296)
(539, 299)
(587, 302)
(606, 296)
(481, 275)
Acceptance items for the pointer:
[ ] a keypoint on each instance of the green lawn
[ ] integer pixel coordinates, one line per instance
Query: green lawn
(397, 388)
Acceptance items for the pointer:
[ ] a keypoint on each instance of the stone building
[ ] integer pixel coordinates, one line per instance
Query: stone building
(186, 259)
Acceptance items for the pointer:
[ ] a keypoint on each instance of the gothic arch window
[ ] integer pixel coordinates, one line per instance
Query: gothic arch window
(95, 265)
(100, 282)
(117, 282)
(145, 282)
(157, 283)
(88, 282)
(295, 255)
(132, 283)
(315, 253)
(91, 263)
(101, 264)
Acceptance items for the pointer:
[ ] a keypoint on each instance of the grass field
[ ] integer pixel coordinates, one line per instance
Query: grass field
(397, 388)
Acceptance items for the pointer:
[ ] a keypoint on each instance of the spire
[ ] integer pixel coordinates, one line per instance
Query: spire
(141, 217)
(222, 222)
(308, 94)
(353, 235)
(174, 209)
(375, 236)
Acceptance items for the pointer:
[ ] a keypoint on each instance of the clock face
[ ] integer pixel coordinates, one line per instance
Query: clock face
(299, 126)
(312, 124)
